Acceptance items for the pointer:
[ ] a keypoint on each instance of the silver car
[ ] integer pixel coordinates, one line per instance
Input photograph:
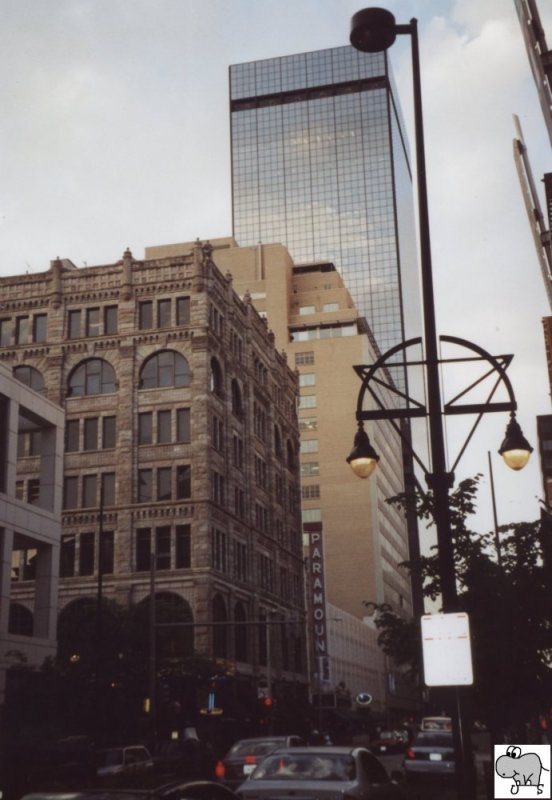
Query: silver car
(431, 755)
(322, 772)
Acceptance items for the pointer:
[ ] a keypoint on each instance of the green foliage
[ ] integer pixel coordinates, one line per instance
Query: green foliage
(503, 583)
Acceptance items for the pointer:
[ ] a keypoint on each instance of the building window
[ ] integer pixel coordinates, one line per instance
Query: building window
(163, 313)
(240, 560)
(330, 307)
(309, 446)
(307, 424)
(219, 550)
(67, 556)
(5, 332)
(145, 315)
(237, 451)
(163, 547)
(86, 554)
(111, 323)
(183, 425)
(165, 369)
(310, 469)
(307, 357)
(217, 487)
(74, 324)
(94, 376)
(108, 488)
(182, 310)
(143, 549)
(89, 490)
(183, 482)
(164, 483)
(92, 321)
(72, 428)
(109, 432)
(183, 549)
(311, 515)
(71, 492)
(107, 553)
(40, 327)
(217, 433)
(307, 379)
(145, 427)
(164, 433)
(216, 378)
(308, 492)
(303, 310)
(145, 478)
(90, 434)
(307, 401)
(22, 330)
(31, 377)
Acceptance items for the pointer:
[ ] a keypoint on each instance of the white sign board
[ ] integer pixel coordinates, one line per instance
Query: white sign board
(447, 650)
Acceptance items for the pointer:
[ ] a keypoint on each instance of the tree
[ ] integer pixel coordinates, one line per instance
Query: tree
(503, 583)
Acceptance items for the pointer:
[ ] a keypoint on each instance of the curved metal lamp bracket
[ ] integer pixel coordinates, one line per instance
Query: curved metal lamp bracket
(378, 375)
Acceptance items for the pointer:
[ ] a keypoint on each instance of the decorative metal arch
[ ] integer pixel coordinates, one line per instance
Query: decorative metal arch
(414, 408)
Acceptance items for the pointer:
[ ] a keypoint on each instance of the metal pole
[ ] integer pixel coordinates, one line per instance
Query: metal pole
(152, 641)
(268, 671)
(495, 518)
(440, 481)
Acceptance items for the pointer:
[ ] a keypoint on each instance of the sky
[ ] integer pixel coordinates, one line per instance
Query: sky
(114, 133)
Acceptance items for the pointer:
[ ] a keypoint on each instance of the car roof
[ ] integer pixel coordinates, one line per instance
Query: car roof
(321, 750)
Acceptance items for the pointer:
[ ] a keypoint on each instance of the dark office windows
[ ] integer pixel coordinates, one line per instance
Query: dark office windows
(5, 332)
(237, 405)
(72, 427)
(67, 556)
(40, 327)
(145, 478)
(163, 547)
(22, 330)
(110, 320)
(145, 427)
(74, 324)
(86, 554)
(182, 310)
(184, 482)
(237, 451)
(31, 377)
(106, 556)
(90, 434)
(94, 376)
(143, 549)
(216, 377)
(163, 313)
(183, 425)
(164, 483)
(89, 490)
(145, 315)
(108, 488)
(71, 492)
(219, 550)
(109, 432)
(183, 548)
(164, 434)
(165, 369)
(92, 321)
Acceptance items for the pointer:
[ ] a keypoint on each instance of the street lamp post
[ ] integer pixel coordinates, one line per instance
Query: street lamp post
(374, 30)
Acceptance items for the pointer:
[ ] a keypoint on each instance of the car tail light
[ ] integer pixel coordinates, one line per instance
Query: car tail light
(219, 770)
(410, 753)
(251, 759)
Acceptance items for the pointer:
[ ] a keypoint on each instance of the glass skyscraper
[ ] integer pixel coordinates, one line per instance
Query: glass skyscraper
(320, 163)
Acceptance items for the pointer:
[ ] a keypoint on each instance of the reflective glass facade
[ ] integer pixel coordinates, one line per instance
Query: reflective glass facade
(319, 163)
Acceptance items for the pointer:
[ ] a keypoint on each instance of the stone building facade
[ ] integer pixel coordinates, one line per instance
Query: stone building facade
(181, 439)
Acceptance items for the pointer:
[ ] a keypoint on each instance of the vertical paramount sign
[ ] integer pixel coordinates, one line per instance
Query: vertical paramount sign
(317, 598)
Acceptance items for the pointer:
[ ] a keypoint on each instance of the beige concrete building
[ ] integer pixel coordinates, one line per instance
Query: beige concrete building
(181, 427)
(31, 430)
(315, 322)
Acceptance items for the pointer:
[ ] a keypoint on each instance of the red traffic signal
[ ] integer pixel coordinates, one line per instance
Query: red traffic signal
(268, 701)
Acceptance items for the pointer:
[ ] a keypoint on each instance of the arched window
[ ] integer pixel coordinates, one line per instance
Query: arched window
(165, 369)
(220, 632)
(240, 633)
(31, 377)
(171, 642)
(237, 404)
(216, 377)
(94, 376)
(20, 620)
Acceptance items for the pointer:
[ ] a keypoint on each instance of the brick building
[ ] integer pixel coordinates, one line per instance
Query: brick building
(181, 429)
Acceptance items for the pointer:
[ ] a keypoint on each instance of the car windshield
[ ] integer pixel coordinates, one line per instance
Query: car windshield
(433, 739)
(110, 758)
(246, 748)
(305, 767)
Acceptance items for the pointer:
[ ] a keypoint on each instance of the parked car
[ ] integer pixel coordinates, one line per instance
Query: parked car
(193, 790)
(245, 754)
(126, 765)
(321, 772)
(431, 755)
(389, 742)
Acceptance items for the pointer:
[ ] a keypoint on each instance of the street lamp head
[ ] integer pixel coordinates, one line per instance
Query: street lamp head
(362, 458)
(373, 30)
(515, 449)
